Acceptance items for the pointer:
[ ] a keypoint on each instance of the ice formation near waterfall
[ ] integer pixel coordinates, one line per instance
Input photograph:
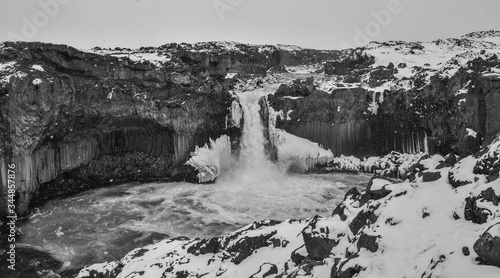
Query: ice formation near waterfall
(211, 159)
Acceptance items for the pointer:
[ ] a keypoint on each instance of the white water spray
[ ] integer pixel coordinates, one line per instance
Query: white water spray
(253, 165)
(253, 153)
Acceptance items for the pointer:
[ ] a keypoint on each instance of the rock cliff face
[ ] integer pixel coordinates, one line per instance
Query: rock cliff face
(391, 96)
(72, 119)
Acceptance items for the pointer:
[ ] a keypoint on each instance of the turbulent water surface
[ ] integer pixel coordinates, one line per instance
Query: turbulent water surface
(104, 224)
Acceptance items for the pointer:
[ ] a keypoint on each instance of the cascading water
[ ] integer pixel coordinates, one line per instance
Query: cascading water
(253, 165)
(252, 142)
(104, 224)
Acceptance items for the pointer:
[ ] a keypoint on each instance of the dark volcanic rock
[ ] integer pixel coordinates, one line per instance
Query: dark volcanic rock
(474, 213)
(430, 176)
(317, 240)
(265, 270)
(347, 273)
(375, 194)
(352, 194)
(488, 247)
(477, 214)
(296, 256)
(489, 195)
(363, 218)
(62, 108)
(355, 60)
(368, 242)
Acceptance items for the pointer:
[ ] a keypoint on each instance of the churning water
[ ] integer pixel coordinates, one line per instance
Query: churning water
(104, 224)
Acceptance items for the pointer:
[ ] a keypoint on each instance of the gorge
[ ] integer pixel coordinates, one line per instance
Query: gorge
(130, 133)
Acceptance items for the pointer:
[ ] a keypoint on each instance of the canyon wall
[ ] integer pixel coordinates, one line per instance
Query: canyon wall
(365, 110)
(340, 121)
(71, 119)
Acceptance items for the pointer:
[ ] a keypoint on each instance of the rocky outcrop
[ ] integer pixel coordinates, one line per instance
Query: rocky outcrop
(339, 120)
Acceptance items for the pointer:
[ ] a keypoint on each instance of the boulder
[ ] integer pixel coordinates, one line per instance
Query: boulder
(374, 191)
(364, 217)
(430, 176)
(317, 239)
(368, 242)
(474, 213)
(487, 246)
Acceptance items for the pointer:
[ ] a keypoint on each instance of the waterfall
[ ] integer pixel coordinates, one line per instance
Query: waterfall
(253, 153)
(253, 165)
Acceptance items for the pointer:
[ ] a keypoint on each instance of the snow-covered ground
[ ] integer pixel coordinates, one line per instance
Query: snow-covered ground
(423, 59)
(418, 229)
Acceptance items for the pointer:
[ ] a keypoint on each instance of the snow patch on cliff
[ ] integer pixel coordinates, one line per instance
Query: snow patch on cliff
(37, 67)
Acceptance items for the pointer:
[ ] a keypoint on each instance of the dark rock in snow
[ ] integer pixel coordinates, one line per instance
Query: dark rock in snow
(352, 194)
(465, 251)
(449, 160)
(348, 273)
(430, 176)
(356, 60)
(368, 242)
(298, 255)
(317, 240)
(363, 218)
(375, 194)
(487, 247)
(265, 270)
(204, 246)
(490, 196)
(474, 213)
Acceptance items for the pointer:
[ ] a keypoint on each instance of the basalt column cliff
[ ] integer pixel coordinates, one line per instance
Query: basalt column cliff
(72, 119)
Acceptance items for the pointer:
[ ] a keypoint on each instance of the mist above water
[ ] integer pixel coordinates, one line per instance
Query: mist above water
(104, 224)
(253, 165)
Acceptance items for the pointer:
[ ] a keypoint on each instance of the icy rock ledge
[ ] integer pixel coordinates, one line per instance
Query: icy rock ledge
(211, 159)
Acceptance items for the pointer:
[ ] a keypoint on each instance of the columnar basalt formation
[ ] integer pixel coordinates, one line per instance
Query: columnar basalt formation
(62, 108)
(408, 97)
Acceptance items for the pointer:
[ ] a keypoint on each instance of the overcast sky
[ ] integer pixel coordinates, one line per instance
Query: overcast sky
(323, 24)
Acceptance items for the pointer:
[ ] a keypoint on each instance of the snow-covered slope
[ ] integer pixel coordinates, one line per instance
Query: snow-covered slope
(422, 229)
(421, 60)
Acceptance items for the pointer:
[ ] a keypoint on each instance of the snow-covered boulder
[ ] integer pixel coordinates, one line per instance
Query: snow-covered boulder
(463, 172)
(344, 164)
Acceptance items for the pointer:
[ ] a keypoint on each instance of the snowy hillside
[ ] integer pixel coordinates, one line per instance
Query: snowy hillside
(406, 62)
(418, 229)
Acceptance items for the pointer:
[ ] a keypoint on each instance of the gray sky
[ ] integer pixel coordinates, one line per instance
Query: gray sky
(323, 24)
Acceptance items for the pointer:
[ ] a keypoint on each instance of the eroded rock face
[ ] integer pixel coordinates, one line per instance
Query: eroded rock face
(405, 103)
(61, 108)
